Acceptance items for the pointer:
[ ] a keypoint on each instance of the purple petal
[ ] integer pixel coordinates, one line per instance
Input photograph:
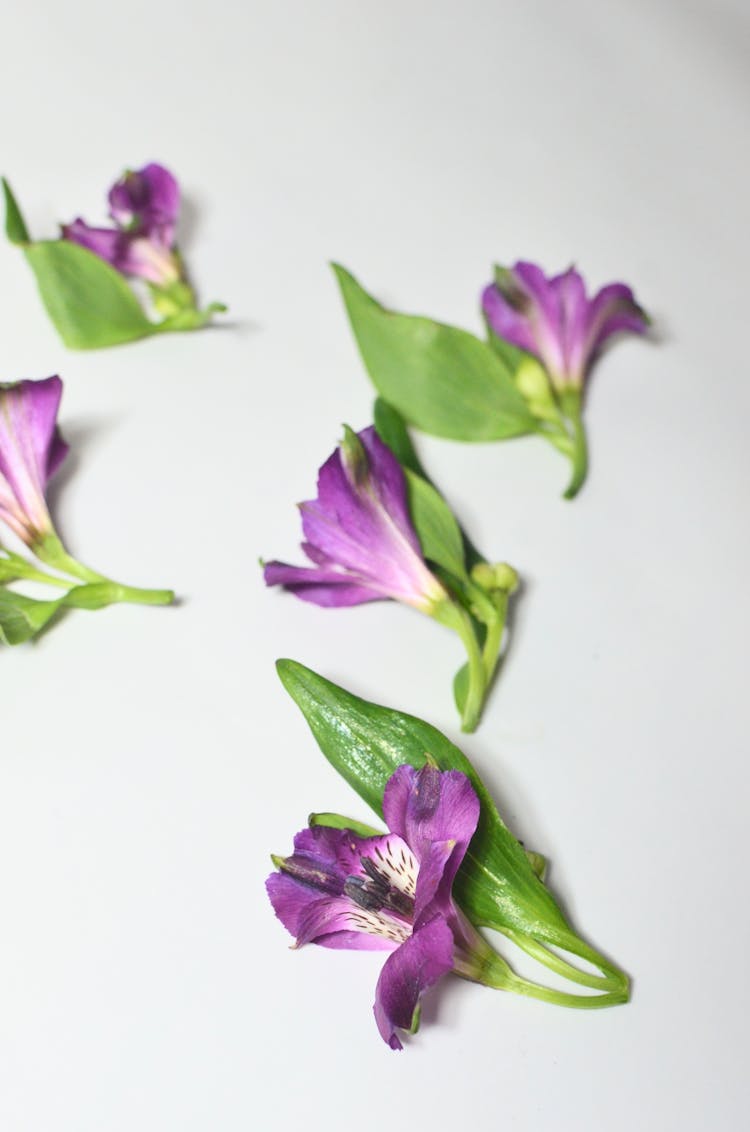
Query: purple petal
(320, 587)
(612, 310)
(314, 893)
(104, 242)
(389, 481)
(416, 965)
(506, 320)
(359, 534)
(30, 450)
(570, 291)
(146, 259)
(429, 807)
(147, 200)
(324, 920)
(544, 313)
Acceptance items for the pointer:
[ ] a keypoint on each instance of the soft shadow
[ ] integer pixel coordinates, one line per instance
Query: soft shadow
(81, 435)
(189, 223)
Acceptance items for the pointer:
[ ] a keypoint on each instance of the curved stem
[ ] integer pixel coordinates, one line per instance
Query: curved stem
(557, 964)
(496, 973)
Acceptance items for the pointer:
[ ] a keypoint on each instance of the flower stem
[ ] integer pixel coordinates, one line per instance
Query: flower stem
(494, 638)
(455, 617)
(98, 590)
(472, 709)
(497, 974)
(96, 595)
(571, 403)
(51, 551)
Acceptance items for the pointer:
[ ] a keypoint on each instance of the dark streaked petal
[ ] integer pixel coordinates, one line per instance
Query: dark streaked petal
(389, 482)
(427, 807)
(414, 967)
(325, 920)
(506, 321)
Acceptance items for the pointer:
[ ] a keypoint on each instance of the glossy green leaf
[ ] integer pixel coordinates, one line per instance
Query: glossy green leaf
(365, 743)
(438, 532)
(21, 618)
(15, 226)
(89, 302)
(440, 378)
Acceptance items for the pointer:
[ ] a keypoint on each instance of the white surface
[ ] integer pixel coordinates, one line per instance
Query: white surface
(150, 759)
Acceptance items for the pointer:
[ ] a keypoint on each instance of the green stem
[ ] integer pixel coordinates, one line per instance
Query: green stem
(571, 402)
(497, 974)
(559, 965)
(494, 639)
(453, 615)
(51, 551)
(98, 588)
(96, 595)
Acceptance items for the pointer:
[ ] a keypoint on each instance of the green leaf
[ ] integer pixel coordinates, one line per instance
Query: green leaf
(89, 302)
(442, 379)
(439, 533)
(391, 428)
(365, 743)
(21, 618)
(15, 226)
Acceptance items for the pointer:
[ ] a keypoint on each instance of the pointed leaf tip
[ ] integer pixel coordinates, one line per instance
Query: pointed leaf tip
(15, 226)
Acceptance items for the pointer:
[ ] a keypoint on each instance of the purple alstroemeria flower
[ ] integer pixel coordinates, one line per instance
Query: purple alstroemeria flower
(390, 893)
(31, 451)
(359, 534)
(552, 318)
(144, 205)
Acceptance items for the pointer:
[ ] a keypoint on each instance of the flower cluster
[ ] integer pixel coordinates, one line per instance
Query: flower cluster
(103, 285)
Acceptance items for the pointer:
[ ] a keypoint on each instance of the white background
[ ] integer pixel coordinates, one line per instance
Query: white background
(150, 759)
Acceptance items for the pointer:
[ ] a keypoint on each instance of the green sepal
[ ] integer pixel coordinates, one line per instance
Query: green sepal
(338, 821)
(496, 884)
(440, 378)
(538, 863)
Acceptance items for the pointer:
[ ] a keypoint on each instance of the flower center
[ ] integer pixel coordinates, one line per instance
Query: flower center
(375, 893)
